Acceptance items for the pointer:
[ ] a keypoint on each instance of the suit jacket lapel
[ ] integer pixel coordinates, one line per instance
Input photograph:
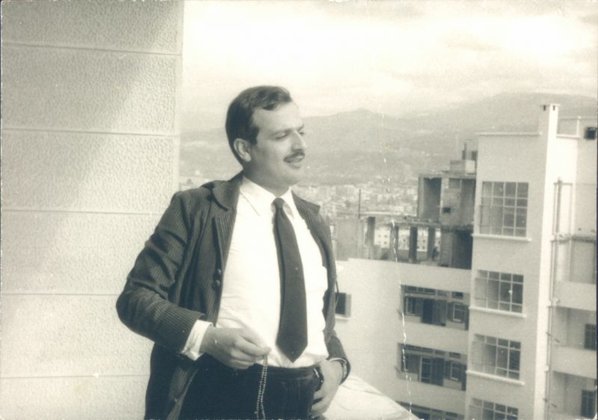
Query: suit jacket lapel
(226, 195)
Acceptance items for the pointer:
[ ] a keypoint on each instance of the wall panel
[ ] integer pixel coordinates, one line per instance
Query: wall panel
(90, 104)
(71, 89)
(151, 26)
(73, 398)
(54, 252)
(83, 171)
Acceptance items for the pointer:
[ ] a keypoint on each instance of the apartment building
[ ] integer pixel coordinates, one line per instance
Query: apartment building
(432, 353)
(532, 318)
(420, 294)
(499, 322)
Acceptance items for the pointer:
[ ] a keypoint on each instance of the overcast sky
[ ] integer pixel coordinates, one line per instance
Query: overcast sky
(389, 56)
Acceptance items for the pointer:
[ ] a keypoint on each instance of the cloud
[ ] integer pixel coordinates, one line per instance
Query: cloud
(590, 18)
(386, 56)
(465, 41)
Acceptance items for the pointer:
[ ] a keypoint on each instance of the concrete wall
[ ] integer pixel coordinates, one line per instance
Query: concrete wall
(375, 328)
(371, 334)
(528, 256)
(426, 395)
(90, 97)
(585, 206)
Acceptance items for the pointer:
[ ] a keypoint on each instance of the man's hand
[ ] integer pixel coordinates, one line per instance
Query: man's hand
(332, 372)
(236, 348)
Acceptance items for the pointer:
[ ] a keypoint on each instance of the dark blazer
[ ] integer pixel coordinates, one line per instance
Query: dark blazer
(177, 279)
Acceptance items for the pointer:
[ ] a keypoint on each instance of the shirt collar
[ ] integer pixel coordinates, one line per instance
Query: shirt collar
(261, 199)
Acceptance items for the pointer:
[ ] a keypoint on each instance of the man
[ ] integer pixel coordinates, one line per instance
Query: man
(236, 286)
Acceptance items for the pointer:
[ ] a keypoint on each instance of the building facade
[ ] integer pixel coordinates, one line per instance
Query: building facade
(499, 322)
(533, 277)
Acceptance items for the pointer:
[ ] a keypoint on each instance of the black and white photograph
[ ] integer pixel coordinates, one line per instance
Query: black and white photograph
(320, 210)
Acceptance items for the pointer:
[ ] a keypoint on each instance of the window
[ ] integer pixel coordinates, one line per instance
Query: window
(454, 183)
(454, 371)
(436, 307)
(588, 403)
(457, 312)
(502, 291)
(504, 208)
(434, 312)
(425, 370)
(419, 290)
(413, 306)
(589, 133)
(431, 366)
(496, 356)
(590, 337)
(410, 363)
(486, 410)
(343, 304)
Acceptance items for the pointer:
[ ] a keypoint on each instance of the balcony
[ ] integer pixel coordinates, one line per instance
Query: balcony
(433, 277)
(564, 416)
(574, 361)
(576, 295)
(403, 238)
(436, 337)
(437, 397)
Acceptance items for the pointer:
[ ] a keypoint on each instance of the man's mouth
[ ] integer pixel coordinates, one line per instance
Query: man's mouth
(295, 158)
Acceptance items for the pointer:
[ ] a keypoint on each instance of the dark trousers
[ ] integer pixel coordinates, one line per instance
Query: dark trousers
(219, 392)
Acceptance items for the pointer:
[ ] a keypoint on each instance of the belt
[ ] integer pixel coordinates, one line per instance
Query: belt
(282, 372)
(257, 370)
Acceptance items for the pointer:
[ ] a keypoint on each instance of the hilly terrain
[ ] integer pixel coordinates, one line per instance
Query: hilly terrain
(362, 146)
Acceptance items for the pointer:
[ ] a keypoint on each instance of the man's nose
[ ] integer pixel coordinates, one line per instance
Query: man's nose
(299, 141)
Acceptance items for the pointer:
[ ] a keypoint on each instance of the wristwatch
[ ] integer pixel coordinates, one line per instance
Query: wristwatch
(346, 368)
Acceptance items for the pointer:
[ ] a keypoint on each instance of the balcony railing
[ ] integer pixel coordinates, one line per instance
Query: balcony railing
(445, 399)
(576, 295)
(574, 361)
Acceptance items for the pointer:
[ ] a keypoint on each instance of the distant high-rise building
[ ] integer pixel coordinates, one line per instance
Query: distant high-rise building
(497, 319)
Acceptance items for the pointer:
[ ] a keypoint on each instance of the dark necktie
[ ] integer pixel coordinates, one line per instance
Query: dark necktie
(292, 331)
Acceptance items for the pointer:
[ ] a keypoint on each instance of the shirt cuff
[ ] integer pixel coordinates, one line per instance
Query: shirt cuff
(193, 344)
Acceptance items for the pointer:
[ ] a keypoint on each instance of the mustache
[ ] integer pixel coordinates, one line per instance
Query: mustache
(298, 154)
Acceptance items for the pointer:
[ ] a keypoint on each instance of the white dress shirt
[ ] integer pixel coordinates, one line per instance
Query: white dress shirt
(251, 283)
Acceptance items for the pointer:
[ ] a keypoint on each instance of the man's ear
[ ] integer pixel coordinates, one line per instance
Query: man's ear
(242, 148)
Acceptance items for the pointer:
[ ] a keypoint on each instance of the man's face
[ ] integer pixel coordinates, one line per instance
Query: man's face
(276, 160)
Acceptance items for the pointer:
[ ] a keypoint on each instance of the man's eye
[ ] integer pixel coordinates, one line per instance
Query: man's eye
(303, 133)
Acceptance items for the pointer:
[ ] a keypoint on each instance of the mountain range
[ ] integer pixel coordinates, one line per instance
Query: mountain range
(362, 146)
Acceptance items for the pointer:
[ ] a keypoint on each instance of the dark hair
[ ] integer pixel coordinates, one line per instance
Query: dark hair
(239, 118)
